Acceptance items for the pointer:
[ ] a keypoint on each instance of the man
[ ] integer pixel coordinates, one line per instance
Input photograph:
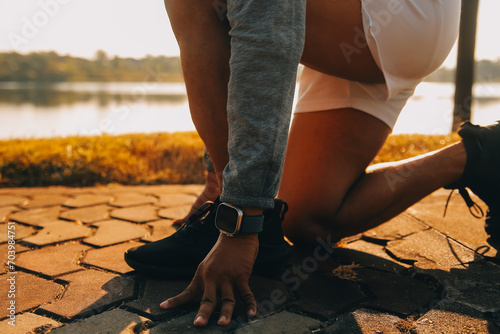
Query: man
(363, 61)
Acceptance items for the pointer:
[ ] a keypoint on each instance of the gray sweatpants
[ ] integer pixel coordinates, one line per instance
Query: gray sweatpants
(267, 40)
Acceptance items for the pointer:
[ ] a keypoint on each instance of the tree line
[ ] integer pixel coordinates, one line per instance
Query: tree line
(52, 67)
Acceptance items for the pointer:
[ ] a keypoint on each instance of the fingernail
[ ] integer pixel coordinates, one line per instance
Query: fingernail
(164, 304)
(251, 313)
(198, 320)
(223, 319)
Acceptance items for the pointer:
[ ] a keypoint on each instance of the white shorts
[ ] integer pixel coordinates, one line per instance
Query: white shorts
(409, 39)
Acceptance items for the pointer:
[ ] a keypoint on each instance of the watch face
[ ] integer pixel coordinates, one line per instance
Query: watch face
(228, 218)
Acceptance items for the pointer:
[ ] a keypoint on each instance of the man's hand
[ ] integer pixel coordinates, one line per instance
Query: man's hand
(227, 267)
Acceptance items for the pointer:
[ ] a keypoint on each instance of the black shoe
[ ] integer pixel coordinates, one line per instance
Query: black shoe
(482, 173)
(180, 254)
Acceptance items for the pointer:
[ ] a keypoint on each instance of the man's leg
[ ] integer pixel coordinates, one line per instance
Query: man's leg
(328, 187)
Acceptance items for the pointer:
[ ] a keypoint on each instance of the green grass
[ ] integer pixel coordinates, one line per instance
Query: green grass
(160, 158)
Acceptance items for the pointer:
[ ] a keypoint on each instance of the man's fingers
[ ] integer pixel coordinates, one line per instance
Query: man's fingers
(227, 304)
(189, 294)
(248, 298)
(207, 304)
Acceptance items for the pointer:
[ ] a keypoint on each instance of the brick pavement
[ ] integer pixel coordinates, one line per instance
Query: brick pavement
(418, 273)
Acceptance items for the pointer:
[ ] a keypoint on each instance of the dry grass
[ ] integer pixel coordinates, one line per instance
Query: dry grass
(174, 158)
(83, 161)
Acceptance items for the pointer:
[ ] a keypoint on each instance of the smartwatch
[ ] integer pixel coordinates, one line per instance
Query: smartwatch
(231, 221)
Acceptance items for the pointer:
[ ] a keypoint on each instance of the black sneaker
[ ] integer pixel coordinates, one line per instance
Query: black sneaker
(180, 254)
(482, 173)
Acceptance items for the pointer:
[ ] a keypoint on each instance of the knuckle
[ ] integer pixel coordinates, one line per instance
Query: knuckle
(207, 300)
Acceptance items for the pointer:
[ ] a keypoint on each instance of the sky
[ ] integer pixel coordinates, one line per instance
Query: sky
(135, 28)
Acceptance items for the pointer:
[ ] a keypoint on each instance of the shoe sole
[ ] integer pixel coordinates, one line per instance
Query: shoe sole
(277, 260)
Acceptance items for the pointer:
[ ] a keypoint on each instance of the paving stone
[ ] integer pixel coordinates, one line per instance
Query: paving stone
(37, 217)
(322, 295)
(58, 232)
(6, 211)
(4, 251)
(110, 258)
(114, 321)
(396, 293)
(453, 318)
(365, 321)
(19, 232)
(87, 215)
(370, 255)
(458, 223)
(132, 200)
(174, 200)
(178, 212)
(84, 200)
(396, 228)
(28, 323)
(431, 250)
(53, 261)
(462, 285)
(9, 200)
(45, 200)
(30, 291)
(110, 232)
(184, 325)
(270, 296)
(160, 229)
(90, 292)
(312, 258)
(156, 291)
(137, 214)
(283, 322)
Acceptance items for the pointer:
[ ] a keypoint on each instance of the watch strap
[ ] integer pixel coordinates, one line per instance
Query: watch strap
(252, 224)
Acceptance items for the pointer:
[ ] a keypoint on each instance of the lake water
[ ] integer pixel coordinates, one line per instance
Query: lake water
(29, 110)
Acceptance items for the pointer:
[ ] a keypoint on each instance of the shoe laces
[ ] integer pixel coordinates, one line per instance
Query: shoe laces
(474, 208)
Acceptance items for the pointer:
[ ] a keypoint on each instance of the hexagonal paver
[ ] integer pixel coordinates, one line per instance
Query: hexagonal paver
(458, 223)
(178, 212)
(453, 318)
(160, 229)
(431, 250)
(28, 323)
(283, 322)
(395, 228)
(114, 321)
(173, 200)
(184, 325)
(88, 215)
(53, 261)
(29, 291)
(365, 321)
(315, 298)
(155, 292)
(57, 232)
(6, 211)
(397, 294)
(37, 217)
(39, 201)
(80, 201)
(110, 232)
(91, 292)
(14, 230)
(8, 200)
(368, 254)
(136, 214)
(110, 258)
(132, 200)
